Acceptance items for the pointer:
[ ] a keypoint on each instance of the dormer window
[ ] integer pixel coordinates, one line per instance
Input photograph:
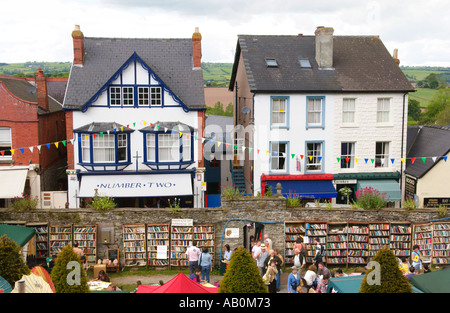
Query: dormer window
(304, 63)
(271, 62)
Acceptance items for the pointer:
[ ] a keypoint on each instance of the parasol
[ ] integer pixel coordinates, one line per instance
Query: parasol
(4, 285)
(33, 284)
(40, 271)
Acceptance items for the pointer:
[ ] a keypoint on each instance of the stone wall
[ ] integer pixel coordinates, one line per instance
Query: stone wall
(271, 212)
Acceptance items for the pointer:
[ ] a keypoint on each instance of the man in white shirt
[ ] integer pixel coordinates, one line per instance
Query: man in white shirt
(193, 254)
(260, 258)
(256, 249)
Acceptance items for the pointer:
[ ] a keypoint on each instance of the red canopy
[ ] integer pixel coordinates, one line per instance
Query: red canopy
(179, 284)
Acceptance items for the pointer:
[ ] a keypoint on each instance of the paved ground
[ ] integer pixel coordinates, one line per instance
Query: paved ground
(154, 279)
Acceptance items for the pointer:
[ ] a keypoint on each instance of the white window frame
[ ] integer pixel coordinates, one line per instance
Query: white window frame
(314, 165)
(277, 155)
(315, 110)
(128, 96)
(351, 155)
(122, 143)
(186, 142)
(348, 111)
(115, 96)
(143, 96)
(169, 143)
(151, 147)
(382, 155)
(278, 108)
(383, 110)
(6, 143)
(85, 149)
(102, 146)
(155, 96)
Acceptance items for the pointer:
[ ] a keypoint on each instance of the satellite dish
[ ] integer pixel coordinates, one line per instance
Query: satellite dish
(245, 110)
(32, 90)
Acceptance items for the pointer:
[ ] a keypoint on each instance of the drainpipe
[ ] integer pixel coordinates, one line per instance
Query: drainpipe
(403, 136)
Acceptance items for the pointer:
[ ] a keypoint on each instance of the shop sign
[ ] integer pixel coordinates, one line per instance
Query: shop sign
(182, 222)
(436, 202)
(345, 182)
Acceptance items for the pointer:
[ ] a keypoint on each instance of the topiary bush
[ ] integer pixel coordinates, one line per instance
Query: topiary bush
(242, 275)
(12, 267)
(392, 279)
(60, 273)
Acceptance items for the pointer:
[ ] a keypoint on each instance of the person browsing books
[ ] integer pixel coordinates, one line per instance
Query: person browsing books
(193, 254)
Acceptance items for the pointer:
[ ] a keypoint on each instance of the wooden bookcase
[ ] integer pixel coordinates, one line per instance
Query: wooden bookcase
(157, 235)
(134, 245)
(400, 239)
(313, 230)
(441, 243)
(42, 241)
(86, 237)
(358, 247)
(378, 237)
(423, 237)
(337, 243)
(181, 239)
(292, 231)
(205, 236)
(60, 236)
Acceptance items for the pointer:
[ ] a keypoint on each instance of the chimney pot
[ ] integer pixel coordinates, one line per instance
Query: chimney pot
(78, 46)
(395, 57)
(324, 46)
(41, 85)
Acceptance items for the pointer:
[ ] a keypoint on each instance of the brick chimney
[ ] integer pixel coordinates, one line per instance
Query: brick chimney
(78, 46)
(395, 56)
(41, 85)
(197, 48)
(324, 46)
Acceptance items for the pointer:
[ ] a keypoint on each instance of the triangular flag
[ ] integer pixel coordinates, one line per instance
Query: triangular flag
(79, 138)
(94, 135)
(235, 147)
(293, 155)
(2, 153)
(195, 137)
(12, 151)
(310, 157)
(424, 159)
(31, 149)
(121, 128)
(347, 160)
(151, 124)
(392, 160)
(227, 144)
(319, 158)
(101, 134)
(338, 159)
(356, 160)
(275, 153)
(64, 142)
(434, 159)
(243, 148)
(257, 151)
(128, 126)
(210, 142)
(56, 144)
(403, 160)
(158, 127)
(372, 160)
(145, 122)
(413, 160)
(250, 149)
(365, 160)
(39, 148)
(22, 150)
(48, 146)
(165, 130)
(87, 137)
(134, 124)
(301, 156)
(181, 134)
(108, 131)
(115, 130)
(218, 144)
(71, 141)
(203, 140)
(267, 152)
(172, 132)
(445, 158)
(382, 161)
(187, 135)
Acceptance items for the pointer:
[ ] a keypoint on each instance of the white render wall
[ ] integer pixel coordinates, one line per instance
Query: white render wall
(364, 132)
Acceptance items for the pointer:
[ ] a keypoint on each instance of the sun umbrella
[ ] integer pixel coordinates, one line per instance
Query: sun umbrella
(33, 284)
(4, 285)
(40, 271)
(178, 284)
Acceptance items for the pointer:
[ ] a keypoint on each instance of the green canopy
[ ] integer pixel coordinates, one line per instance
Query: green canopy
(434, 282)
(20, 234)
(388, 186)
(351, 284)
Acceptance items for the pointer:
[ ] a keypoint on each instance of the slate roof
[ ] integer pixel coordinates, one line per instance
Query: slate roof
(24, 90)
(102, 127)
(170, 59)
(361, 64)
(426, 141)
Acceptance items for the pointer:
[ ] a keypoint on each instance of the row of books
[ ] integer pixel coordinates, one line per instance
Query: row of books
(136, 236)
(61, 230)
(85, 230)
(157, 228)
(379, 226)
(157, 236)
(133, 230)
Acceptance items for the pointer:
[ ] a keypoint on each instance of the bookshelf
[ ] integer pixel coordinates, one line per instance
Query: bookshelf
(337, 243)
(134, 245)
(400, 239)
(423, 237)
(86, 237)
(378, 237)
(42, 241)
(358, 247)
(441, 243)
(292, 231)
(181, 238)
(313, 230)
(204, 235)
(60, 236)
(157, 235)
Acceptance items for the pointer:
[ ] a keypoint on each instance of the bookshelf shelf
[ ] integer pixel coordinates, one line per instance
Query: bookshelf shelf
(134, 245)
(400, 239)
(313, 230)
(378, 237)
(204, 235)
(292, 230)
(423, 237)
(60, 236)
(181, 238)
(86, 237)
(358, 247)
(157, 235)
(337, 243)
(441, 243)
(42, 241)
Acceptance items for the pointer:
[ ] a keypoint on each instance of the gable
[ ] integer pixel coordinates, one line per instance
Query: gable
(133, 85)
(169, 59)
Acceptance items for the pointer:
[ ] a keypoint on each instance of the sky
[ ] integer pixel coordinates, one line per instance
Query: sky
(41, 30)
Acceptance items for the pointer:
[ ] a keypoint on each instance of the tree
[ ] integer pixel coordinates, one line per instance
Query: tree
(242, 275)
(12, 267)
(414, 110)
(391, 278)
(63, 274)
(440, 101)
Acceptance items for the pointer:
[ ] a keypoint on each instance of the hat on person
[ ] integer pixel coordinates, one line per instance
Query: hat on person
(262, 246)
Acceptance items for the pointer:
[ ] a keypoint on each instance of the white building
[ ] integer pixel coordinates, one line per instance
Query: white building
(135, 108)
(325, 112)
